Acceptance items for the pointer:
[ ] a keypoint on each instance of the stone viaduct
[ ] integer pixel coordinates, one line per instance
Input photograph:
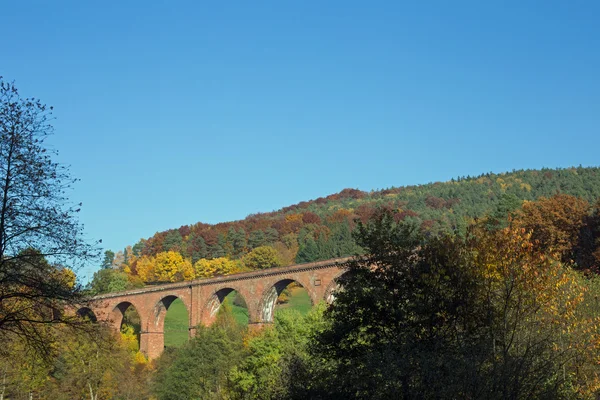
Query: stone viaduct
(203, 297)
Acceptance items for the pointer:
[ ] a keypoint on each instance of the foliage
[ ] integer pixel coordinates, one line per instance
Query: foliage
(321, 228)
(173, 241)
(109, 258)
(167, 266)
(199, 369)
(85, 366)
(276, 359)
(487, 316)
(217, 266)
(262, 257)
(39, 232)
(555, 223)
(110, 280)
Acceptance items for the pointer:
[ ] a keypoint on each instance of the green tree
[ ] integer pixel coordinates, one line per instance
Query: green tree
(173, 241)
(257, 238)
(276, 362)
(236, 242)
(261, 258)
(308, 250)
(199, 369)
(487, 316)
(271, 235)
(216, 251)
(107, 281)
(109, 258)
(138, 248)
(508, 204)
(342, 241)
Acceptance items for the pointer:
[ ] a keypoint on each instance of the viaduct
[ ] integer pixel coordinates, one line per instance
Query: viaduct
(203, 297)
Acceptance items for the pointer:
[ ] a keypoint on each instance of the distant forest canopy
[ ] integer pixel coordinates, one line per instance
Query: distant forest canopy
(322, 228)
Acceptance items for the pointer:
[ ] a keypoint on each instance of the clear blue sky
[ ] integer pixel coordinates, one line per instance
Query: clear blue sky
(176, 112)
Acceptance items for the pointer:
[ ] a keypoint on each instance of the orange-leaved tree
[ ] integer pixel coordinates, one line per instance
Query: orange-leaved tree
(554, 222)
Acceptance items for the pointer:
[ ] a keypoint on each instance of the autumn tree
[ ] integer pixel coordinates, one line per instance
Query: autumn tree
(167, 266)
(196, 247)
(39, 231)
(262, 257)
(486, 316)
(205, 268)
(22, 372)
(555, 223)
(588, 248)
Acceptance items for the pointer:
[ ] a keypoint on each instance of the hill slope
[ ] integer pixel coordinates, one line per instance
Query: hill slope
(321, 228)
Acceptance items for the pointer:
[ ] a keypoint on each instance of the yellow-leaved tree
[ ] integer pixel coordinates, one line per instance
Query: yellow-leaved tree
(205, 268)
(168, 266)
(540, 315)
(262, 257)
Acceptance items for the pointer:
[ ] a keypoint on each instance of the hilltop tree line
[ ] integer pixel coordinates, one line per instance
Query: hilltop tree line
(322, 228)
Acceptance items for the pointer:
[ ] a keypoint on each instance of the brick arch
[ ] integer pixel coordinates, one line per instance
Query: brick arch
(152, 340)
(118, 313)
(329, 294)
(86, 312)
(266, 306)
(202, 296)
(159, 311)
(212, 305)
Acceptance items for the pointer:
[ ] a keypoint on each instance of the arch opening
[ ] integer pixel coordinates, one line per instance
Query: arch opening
(86, 313)
(127, 319)
(234, 303)
(285, 295)
(175, 319)
(335, 286)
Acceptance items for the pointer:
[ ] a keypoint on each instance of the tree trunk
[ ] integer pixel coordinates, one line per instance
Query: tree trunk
(92, 396)
(3, 385)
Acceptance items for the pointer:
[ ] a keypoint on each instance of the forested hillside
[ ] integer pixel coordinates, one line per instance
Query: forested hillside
(322, 228)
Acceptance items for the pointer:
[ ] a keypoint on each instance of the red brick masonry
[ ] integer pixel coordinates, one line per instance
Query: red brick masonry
(203, 297)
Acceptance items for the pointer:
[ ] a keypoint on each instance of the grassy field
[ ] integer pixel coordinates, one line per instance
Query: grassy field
(298, 300)
(176, 324)
(176, 320)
